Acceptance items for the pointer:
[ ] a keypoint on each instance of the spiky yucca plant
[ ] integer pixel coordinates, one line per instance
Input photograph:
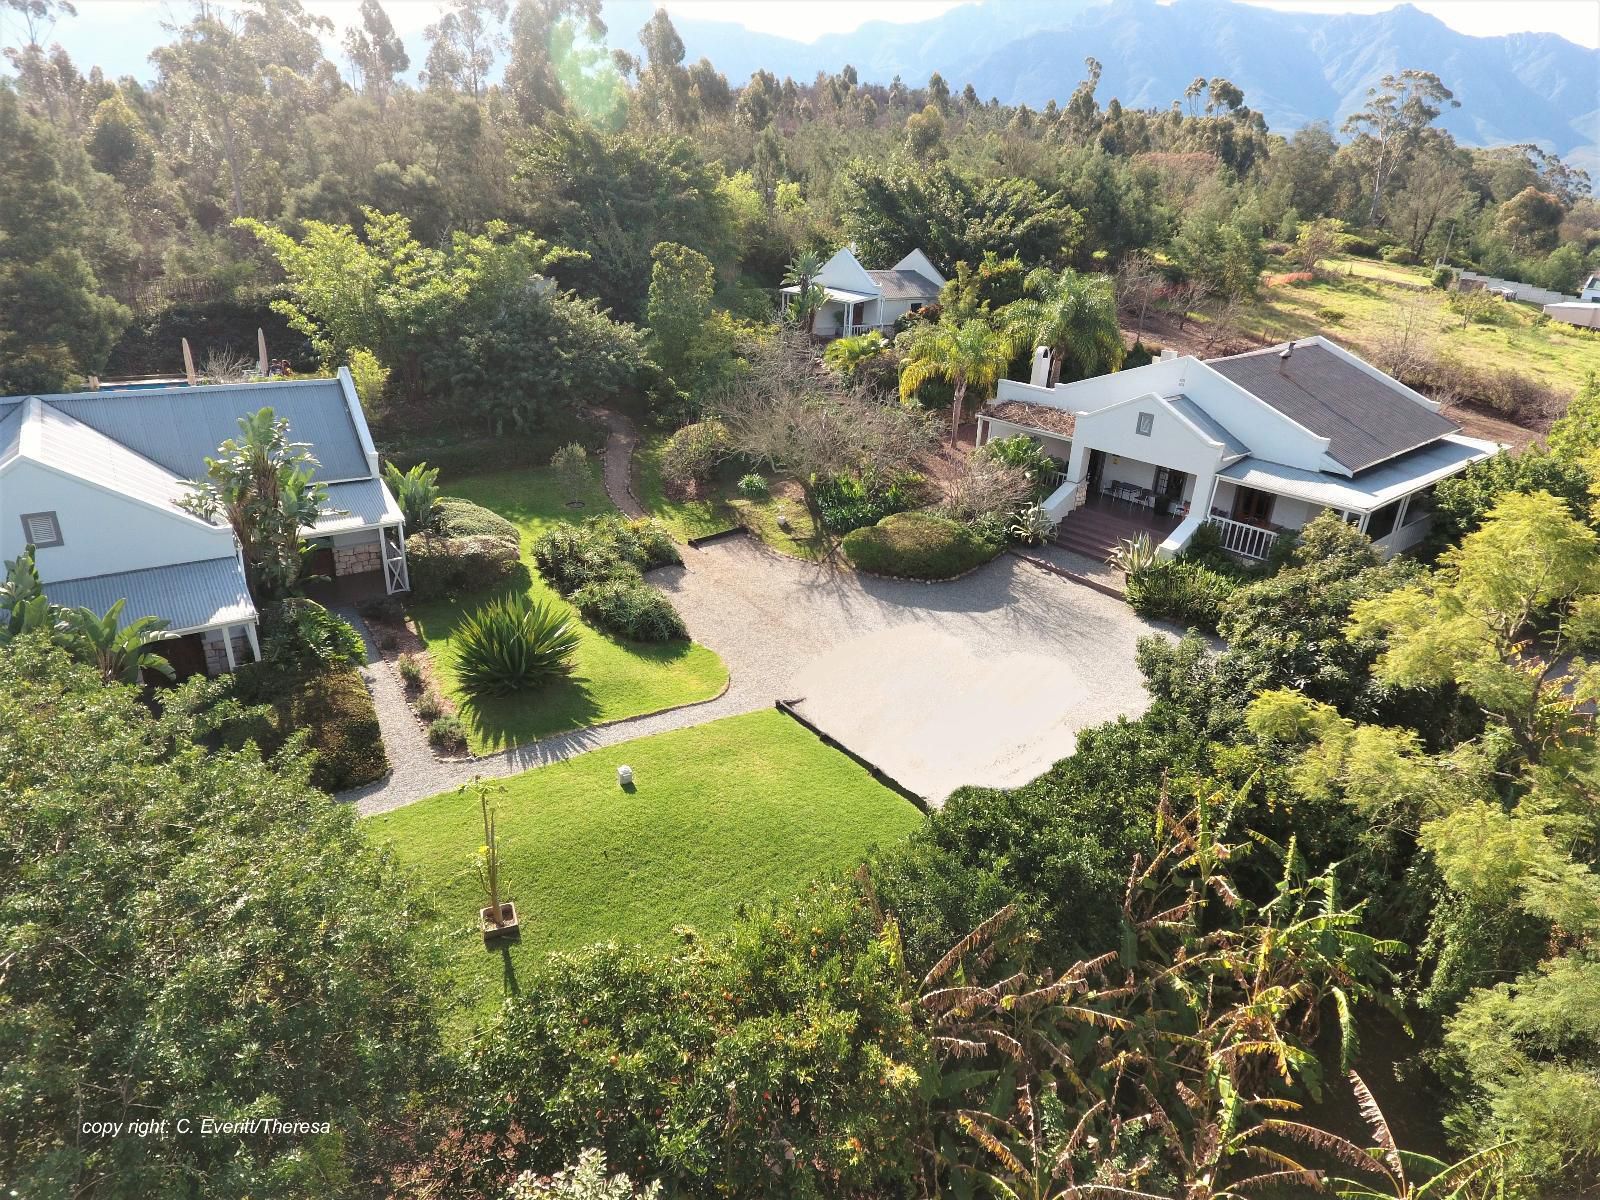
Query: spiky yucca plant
(512, 644)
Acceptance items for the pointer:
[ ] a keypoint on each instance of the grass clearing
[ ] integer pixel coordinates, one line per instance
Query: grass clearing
(724, 814)
(1371, 300)
(610, 679)
(725, 508)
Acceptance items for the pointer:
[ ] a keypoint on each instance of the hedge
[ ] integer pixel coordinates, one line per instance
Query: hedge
(918, 545)
(333, 708)
(630, 608)
(454, 566)
(456, 517)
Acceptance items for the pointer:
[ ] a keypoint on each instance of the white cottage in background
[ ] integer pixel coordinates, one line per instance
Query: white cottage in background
(1255, 444)
(860, 301)
(92, 480)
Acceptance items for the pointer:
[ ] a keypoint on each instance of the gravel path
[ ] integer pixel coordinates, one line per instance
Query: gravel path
(618, 473)
(984, 679)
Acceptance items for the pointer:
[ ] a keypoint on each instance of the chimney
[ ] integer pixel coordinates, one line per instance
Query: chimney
(1283, 355)
(1040, 375)
(1168, 354)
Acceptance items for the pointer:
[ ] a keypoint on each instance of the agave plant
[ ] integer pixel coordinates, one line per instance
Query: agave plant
(1133, 555)
(512, 644)
(118, 654)
(1032, 525)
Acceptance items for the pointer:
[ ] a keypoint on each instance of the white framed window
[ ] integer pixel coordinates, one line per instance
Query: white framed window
(1146, 422)
(41, 529)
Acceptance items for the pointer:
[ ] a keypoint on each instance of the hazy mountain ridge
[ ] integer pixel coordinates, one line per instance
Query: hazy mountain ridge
(1294, 67)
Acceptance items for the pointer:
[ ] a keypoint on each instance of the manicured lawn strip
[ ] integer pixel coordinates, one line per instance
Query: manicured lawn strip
(724, 814)
(610, 679)
(723, 510)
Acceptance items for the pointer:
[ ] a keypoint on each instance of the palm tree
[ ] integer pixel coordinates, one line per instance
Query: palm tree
(1075, 315)
(118, 654)
(969, 354)
(802, 273)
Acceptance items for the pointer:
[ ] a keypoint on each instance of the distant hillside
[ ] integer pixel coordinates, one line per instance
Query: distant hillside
(1294, 67)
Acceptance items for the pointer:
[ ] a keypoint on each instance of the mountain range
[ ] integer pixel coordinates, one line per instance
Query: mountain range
(1294, 67)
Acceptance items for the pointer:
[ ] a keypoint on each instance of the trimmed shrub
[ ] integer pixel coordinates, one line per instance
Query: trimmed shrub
(601, 548)
(628, 607)
(919, 545)
(693, 453)
(429, 705)
(512, 644)
(447, 733)
(1361, 247)
(410, 668)
(1443, 277)
(456, 517)
(1330, 316)
(455, 566)
(754, 486)
(1183, 592)
(335, 709)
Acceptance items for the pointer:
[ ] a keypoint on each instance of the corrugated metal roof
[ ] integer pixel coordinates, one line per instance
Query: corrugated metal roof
(359, 505)
(1374, 488)
(1213, 428)
(180, 427)
(192, 595)
(904, 285)
(1366, 418)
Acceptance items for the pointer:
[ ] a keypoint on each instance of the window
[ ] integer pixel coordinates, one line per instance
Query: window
(1381, 523)
(1147, 422)
(41, 529)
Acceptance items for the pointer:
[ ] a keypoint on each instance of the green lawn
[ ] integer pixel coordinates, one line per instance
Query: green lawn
(723, 814)
(610, 679)
(1369, 300)
(723, 510)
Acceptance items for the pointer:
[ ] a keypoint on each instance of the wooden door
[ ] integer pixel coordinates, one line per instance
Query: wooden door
(1251, 507)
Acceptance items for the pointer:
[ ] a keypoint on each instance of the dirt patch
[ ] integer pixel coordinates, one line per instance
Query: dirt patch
(1475, 422)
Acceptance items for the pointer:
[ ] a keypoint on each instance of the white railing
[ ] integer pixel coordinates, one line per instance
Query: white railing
(856, 330)
(1247, 541)
(1049, 481)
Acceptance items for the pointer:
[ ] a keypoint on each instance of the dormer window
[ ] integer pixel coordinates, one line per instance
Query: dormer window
(41, 529)
(1146, 422)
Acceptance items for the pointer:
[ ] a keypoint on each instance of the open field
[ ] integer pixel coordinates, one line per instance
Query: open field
(725, 814)
(610, 679)
(1362, 304)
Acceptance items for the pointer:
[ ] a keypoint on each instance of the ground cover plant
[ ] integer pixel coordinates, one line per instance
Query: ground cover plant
(721, 815)
(919, 545)
(609, 680)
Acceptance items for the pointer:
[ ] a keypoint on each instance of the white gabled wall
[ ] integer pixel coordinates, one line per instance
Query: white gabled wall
(1172, 442)
(919, 262)
(102, 533)
(845, 272)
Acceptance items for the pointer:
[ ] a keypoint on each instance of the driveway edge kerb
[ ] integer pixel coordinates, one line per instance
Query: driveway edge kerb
(1098, 585)
(787, 708)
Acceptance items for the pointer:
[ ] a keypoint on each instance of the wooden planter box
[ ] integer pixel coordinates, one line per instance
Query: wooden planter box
(508, 927)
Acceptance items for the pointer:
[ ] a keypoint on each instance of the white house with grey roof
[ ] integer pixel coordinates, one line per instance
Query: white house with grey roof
(1255, 444)
(93, 481)
(861, 301)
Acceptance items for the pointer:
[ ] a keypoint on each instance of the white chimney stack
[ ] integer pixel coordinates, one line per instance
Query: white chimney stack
(1040, 375)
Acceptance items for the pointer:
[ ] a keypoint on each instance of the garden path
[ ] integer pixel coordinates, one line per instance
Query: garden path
(621, 442)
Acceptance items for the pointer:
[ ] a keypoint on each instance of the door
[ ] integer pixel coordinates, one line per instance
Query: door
(1251, 507)
(1169, 488)
(1097, 467)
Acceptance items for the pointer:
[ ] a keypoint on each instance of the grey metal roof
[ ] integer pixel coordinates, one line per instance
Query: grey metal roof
(192, 595)
(1372, 489)
(358, 505)
(1214, 429)
(904, 285)
(1365, 418)
(179, 427)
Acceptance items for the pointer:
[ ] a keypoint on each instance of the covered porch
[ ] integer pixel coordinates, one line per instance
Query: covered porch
(843, 313)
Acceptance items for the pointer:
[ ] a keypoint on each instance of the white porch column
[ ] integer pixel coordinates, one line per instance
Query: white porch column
(227, 646)
(255, 645)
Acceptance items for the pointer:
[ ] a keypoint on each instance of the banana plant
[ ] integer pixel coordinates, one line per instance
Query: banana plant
(22, 601)
(118, 653)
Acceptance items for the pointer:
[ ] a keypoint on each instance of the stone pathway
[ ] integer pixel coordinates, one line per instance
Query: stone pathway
(618, 474)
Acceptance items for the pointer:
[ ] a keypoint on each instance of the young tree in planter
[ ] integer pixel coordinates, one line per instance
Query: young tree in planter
(262, 486)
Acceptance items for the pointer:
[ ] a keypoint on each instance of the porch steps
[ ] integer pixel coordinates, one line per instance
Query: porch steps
(1095, 531)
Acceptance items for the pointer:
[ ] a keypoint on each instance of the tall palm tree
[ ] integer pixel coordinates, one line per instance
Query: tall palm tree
(969, 354)
(1073, 314)
(802, 273)
(118, 654)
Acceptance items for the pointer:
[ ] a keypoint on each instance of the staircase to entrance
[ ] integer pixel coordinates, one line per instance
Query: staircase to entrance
(1095, 529)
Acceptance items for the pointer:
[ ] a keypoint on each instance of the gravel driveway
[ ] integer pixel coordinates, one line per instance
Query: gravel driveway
(985, 679)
